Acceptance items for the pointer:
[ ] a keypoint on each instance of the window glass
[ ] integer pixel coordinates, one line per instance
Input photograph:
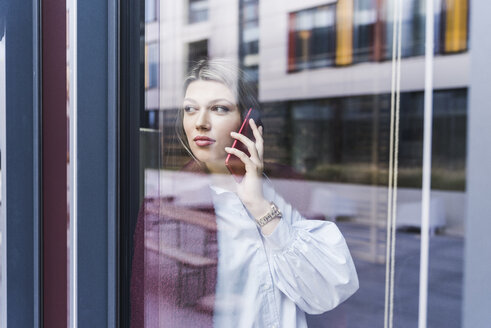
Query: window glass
(312, 42)
(249, 42)
(364, 21)
(151, 65)
(249, 11)
(198, 11)
(320, 76)
(450, 27)
(150, 10)
(251, 32)
(196, 51)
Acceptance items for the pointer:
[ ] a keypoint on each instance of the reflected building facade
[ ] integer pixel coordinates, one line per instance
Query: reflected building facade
(323, 77)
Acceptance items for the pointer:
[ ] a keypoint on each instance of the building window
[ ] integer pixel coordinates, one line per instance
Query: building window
(196, 51)
(249, 41)
(354, 134)
(150, 10)
(312, 38)
(250, 11)
(364, 22)
(413, 28)
(197, 11)
(151, 65)
(250, 47)
(451, 27)
(353, 31)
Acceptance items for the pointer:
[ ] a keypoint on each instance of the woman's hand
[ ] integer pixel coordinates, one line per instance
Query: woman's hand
(250, 189)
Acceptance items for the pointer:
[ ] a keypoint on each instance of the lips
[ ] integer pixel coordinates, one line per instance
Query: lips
(203, 141)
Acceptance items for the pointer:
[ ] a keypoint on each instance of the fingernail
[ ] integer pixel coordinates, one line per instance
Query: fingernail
(227, 148)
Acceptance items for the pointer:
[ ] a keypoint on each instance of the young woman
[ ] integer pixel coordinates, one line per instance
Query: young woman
(273, 264)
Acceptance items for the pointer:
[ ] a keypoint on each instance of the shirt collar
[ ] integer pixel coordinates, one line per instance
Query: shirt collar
(219, 190)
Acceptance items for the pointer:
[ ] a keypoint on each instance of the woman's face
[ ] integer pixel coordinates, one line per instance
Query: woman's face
(210, 114)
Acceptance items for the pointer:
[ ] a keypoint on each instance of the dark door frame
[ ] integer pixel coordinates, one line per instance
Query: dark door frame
(132, 39)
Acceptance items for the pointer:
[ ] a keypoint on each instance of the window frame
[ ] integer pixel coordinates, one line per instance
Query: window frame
(22, 289)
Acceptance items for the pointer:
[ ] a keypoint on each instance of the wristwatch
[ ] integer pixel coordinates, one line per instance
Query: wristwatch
(273, 213)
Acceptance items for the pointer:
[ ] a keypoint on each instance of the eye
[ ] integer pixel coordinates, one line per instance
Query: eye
(189, 109)
(220, 109)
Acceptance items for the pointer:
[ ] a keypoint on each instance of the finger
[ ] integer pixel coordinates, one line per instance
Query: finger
(259, 138)
(251, 146)
(255, 130)
(249, 164)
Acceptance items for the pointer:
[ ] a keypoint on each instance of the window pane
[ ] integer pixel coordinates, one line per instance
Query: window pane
(320, 78)
(250, 11)
(313, 41)
(152, 65)
(150, 10)
(198, 11)
(365, 18)
(197, 51)
(413, 19)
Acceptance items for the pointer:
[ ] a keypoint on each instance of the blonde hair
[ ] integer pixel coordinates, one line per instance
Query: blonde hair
(222, 71)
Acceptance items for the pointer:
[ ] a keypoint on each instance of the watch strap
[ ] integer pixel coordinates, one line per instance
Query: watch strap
(273, 213)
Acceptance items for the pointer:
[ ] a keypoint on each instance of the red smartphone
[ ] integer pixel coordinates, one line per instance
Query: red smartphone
(233, 163)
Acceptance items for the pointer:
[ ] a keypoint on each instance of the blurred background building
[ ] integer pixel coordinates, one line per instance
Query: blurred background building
(322, 71)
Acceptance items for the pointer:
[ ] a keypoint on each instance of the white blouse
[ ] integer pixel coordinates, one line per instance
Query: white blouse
(271, 281)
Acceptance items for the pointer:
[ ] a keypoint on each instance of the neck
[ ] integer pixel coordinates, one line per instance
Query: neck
(221, 177)
(215, 168)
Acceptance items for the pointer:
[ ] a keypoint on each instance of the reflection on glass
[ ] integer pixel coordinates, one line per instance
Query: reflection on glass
(323, 89)
(450, 30)
(249, 257)
(196, 51)
(198, 11)
(413, 28)
(312, 35)
(151, 65)
(150, 10)
(364, 25)
(358, 30)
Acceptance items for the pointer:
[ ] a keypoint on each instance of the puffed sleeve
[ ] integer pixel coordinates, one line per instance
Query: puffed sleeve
(309, 260)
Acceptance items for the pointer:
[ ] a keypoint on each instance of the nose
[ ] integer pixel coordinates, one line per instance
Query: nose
(202, 121)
